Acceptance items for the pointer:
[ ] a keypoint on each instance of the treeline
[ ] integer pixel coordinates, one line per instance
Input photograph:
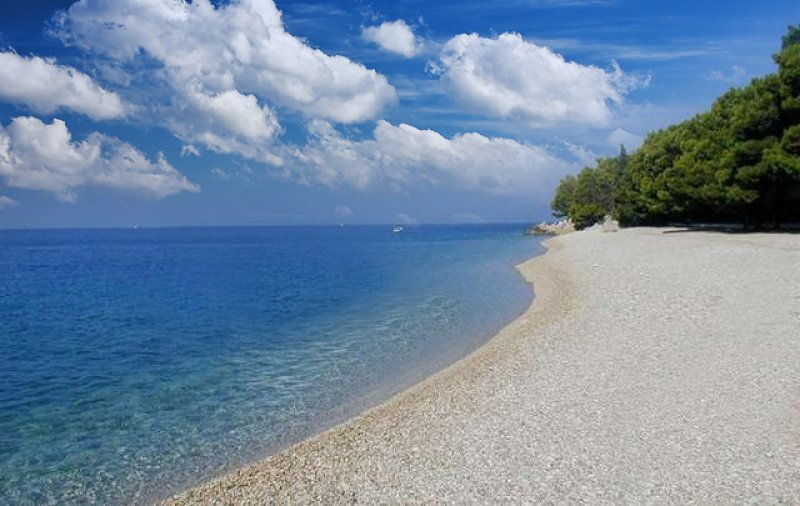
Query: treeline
(738, 162)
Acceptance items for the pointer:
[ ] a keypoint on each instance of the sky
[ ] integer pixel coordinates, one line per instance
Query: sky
(120, 113)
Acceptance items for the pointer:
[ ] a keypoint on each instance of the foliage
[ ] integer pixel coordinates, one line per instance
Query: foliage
(589, 196)
(564, 196)
(792, 37)
(738, 161)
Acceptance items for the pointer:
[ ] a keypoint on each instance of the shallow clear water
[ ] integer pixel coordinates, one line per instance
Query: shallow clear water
(137, 362)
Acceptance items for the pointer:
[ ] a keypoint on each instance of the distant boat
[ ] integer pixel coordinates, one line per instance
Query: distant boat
(397, 229)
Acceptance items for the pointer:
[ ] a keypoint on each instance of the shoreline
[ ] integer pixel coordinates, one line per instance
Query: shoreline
(639, 373)
(542, 301)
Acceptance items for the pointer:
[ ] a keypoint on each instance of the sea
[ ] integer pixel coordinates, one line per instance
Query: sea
(135, 363)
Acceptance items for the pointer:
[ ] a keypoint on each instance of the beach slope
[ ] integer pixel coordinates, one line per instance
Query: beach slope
(654, 366)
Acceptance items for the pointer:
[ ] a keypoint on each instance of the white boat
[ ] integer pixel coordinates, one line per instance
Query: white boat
(397, 229)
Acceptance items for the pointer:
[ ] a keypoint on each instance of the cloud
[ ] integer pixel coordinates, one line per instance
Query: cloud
(221, 174)
(585, 156)
(736, 75)
(227, 68)
(405, 219)
(189, 149)
(509, 77)
(7, 202)
(650, 52)
(343, 211)
(38, 156)
(394, 37)
(399, 157)
(620, 136)
(46, 87)
(228, 122)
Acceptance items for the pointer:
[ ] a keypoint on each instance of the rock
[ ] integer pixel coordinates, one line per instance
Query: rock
(557, 228)
(610, 224)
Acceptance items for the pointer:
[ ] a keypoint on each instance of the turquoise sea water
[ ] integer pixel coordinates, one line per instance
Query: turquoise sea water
(138, 362)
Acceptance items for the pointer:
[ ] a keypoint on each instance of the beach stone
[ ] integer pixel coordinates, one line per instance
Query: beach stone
(655, 366)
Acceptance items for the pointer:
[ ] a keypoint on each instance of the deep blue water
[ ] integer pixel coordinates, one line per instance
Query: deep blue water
(137, 362)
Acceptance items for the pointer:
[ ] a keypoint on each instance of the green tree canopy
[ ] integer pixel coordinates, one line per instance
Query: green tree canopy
(740, 160)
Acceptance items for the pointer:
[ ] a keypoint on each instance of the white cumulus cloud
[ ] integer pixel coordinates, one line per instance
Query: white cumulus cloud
(583, 154)
(343, 211)
(227, 68)
(406, 219)
(509, 77)
(735, 76)
(45, 87)
(7, 202)
(394, 37)
(229, 122)
(401, 156)
(40, 156)
(220, 173)
(189, 149)
(620, 136)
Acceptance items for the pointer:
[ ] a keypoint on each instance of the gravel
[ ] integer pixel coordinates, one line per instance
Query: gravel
(655, 366)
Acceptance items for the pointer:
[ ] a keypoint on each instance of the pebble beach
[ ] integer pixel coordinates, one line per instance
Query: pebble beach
(654, 366)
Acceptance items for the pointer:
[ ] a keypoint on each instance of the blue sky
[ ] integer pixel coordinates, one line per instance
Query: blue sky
(157, 113)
